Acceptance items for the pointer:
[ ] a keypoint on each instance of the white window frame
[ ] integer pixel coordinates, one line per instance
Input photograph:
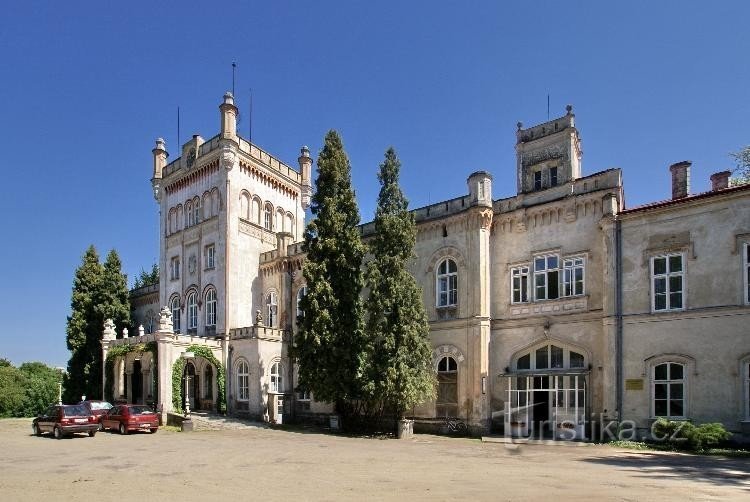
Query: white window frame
(545, 272)
(449, 280)
(174, 268)
(565, 361)
(268, 217)
(276, 377)
(523, 274)
(211, 307)
(175, 308)
(210, 256)
(746, 271)
(192, 310)
(666, 277)
(301, 292)
(570, 265)
(272, 309)
(243, 380)
(669, 382)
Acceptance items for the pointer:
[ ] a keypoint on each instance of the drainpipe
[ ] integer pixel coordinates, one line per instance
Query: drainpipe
(618, 317)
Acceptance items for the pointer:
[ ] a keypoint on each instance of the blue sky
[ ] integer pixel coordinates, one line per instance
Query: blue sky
(86, 89)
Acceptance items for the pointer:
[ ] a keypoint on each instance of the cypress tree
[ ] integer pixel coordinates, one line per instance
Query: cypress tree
(113, 299)
(84, 329)
(399, 363)
(329, 346)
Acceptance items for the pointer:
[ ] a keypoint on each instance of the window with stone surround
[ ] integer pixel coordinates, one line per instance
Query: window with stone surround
(211, 307)
(746, 270)
(210, 256)
(174, 268)
(446, 404)
(668, 390)
(175, 307)
(573, 276)
(553, 176)
(668, 282)
(189, 214)
(192, 307)
(243, 380)
(519, 284)
(447, 283)
(546, 277)
(537, 180)
(277, 375)
(301, 292)
(268, 217)
(272, 309)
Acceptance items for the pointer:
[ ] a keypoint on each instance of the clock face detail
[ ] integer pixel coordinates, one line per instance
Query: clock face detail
(190, 158)
(192, 263)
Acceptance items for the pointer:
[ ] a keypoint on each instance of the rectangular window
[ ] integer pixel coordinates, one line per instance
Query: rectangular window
(520, 284)
(747, 272)
(667, 282)
(573, 276)
(553, 176)
(538, 180)
(546, 277)
(174, 267)
(210, 256)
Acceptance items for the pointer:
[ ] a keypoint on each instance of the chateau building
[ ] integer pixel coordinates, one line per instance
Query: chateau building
(551, 312)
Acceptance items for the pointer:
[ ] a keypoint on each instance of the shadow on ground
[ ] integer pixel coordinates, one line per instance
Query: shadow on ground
(721, 471)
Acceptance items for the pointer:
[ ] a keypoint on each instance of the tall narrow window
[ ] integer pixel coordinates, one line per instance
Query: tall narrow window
(192, 304)
(149, 328)
(210, 256)
(553, 176)
(546, 277)
(447, 283)
(268, 217)
(747, 272)
(300, 294)
(573, 276)
(667, 274)
(196, 211)
(272, 309)
(174, 267)
(276, 378)
(175, 307)
(538, 180)
(211, 307)
(208, 382)
(243, 381)
(447, 396)
(520, 284)
(746, 386)
(189, 215)
(668, 390)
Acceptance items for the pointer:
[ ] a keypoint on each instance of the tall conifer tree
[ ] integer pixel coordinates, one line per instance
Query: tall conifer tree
(329, 346)
(113, 298)
(400, 372)
(83, 330)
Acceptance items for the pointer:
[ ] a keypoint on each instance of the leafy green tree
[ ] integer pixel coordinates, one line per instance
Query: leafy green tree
(742, 171)
(4, 362)
(147, 278)
(113, 300)
(41, 387)
(12, 385)
(330, 345)
(400, 355)
(85, 325)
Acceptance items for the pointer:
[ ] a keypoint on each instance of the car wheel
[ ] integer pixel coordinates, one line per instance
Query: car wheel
(153, 431)
(92, 433)
(123, 429)
(57, 433)
(101, 426)
(35, 429)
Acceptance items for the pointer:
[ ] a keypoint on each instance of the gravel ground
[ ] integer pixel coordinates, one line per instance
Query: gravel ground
(254, 464)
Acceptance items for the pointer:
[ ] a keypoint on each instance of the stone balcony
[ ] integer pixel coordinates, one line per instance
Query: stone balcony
(260, 333)
(564, 305)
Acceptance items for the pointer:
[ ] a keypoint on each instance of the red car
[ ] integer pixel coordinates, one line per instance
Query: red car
(97, 408)
(63, 420)
(131, 417)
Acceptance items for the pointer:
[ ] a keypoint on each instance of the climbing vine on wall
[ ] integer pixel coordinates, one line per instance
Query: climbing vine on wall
(179, 367)
(122, 351)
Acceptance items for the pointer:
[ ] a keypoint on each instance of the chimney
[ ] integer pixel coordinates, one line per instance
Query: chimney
(680, 179)
(283, 240)
(228, 117)
(160, 158)
(720, 181)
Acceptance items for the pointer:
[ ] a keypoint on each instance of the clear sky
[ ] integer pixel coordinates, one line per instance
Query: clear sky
(86, 88)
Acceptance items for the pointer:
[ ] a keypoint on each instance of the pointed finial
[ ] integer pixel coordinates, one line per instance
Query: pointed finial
(569, 109)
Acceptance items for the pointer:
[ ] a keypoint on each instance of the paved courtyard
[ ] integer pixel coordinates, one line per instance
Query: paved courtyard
(257, 464)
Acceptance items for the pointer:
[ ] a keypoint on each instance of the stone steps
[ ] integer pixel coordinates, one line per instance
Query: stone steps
(211, 422)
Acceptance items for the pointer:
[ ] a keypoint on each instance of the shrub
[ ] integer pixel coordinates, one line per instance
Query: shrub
(686, 436)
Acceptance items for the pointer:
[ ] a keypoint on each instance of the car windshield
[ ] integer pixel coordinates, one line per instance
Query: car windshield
(99, 405)
(140, 410)
(74, 411)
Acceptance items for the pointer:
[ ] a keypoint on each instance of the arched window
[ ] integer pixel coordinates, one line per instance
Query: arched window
(289, 225)
(277, 377)
(301, 292)
(196, 210)
(175, 307)
(255, 210)
(272, 309)
(447, 283)
(211, 307)
(268, 217)
(447, 396)
(208, 382)
(668, 390)
(243, 380)
(550, 357)
(192, 305)
(189, 215)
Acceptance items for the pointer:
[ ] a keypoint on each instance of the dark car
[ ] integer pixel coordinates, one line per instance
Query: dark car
(97, 408)
(131, 417)
(65, 419)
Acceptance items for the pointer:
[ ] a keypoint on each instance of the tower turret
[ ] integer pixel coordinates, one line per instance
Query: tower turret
(160, 158)
(305, 169)
(228, 117)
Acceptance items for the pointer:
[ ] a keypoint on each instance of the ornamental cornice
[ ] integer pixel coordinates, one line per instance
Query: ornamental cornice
(190, 177)
(277, 182)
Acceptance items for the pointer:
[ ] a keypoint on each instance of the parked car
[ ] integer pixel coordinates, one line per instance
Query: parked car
(97, 408)
(65, 419)
(131, 417)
